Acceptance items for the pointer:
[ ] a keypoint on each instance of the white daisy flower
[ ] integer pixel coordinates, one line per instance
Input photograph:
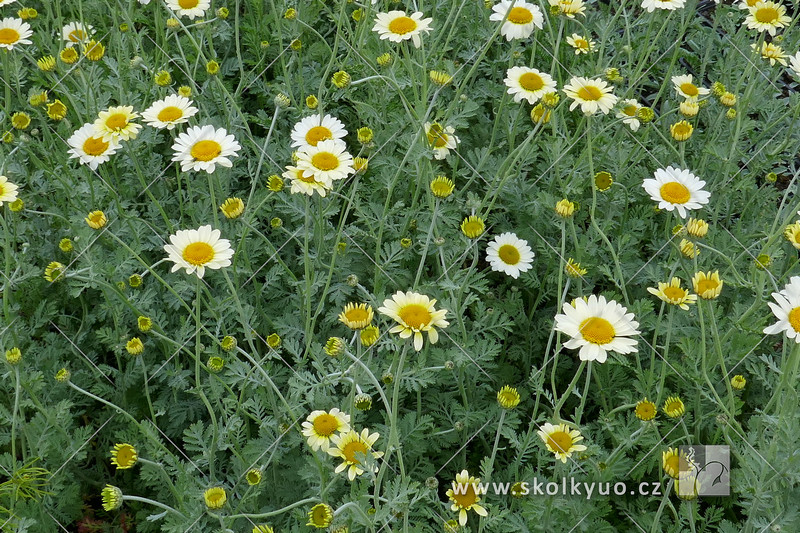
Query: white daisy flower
(686, 88)
(305, 184)
(169, 112)
(510, 254)
(591, 94)
(581, 44)
(189, 8)
(597, 326)
(570, 8)
(677, 189)
(414, 313)
(8, 190)
(88, 145)
(13, 32)
(115, 123)
(794, 64)
(397, 26)
(441, 139)
(628, 113)
(203, 147)
(321, 426)
(195, 250)
(669, 5)
(787, 311)
(327, 162)
(6, 2)
(76, 33)
(311, 130)
(528, 84)
(522, 18)
(767, 16)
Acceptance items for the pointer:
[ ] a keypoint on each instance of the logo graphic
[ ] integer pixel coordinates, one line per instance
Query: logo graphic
(707, 472)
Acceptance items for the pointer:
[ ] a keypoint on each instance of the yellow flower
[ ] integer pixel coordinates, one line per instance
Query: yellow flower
(311, 101)
(473, 227)
(369, 335)
(56, 110)
(112, 497)
(135, 280)
(673, 407)
(681, 131)
(792, 234)
(676, 464)
(263, 528)
(65, 245)
(38, 99)
(565, 208)
(707, 285)
(341, 79)
(253, 476)
(464, 496)
(275, 183)
(356, 316)
(603, 181)
(727, 99)
(573, 269)
(46, 63)
(232, 208)
(673, 293)
(63, 375)
(540, 114)
(96, 219)
(442, 186)
(68, 55)
(440, 78)
(334, 347)
(162, 78)
(645, 410)
(508, 397)
(414, 313)
(212, 67)
(13, 356)
(738, 382)
(384, 60)
(94, 51)
(228, 343)
(689, 108)
(124, 456)
(320, 516)
(697, 228)
(561, 440)
(321, 426)
(185, 91)
(350, 447)
(134, 346)
(144, 324)
(688, 249)
(274, 341)
(215, 497)
(54, 272)
(20, 120)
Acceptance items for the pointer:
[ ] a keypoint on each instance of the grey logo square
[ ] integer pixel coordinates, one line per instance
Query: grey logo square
(707, 471)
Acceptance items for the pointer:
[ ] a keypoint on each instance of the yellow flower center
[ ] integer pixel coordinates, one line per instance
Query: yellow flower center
(326, 425)
(509, 254)
(188, 4)
(436, 136)
(674, 406)
(357, 314)
(629, 110)
(319, 516)
(689, 89)
(206, 150)
(198, 253)
(645, 411)
(402, 25)
(590, 92)
(215, 498)
(675, 193)
(472, 228)
(530, 81)
(560, 441)
(351, 449)
(597, 330)
(76, 36)
(126, 456)
(170, 114)
(520, 15)
(766, 15)
(583, 44)
(706, 285)
(681, 128)
(674, 293)
(317, 134)
(117, 121)
(675, 464)
(794, 318)
(465, 497)
(325, 161)
(95, 146)
(96, 218)
(9, 36)
(415, 316)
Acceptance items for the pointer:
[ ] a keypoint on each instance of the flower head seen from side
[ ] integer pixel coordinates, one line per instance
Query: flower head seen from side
(464, 496)
(76, 33)
(520, 19)
(673, 407)
(169, 112)
(672, 293)
(669, 5)
(561, 440)
(396, 26)
(597, 326)
(569, 8)
(112, 497)
(509, 254)
(310, 131)
(189, 8)
(676, 463)
(320, 516)
(508, 397)
(414, 313)
(707, 285)
(203, 148)
(321, 426)
(326, 162)
(90, 148)
(195, 250)
(591, 94)
(14, 32)
(767, 16)
(116, 123)
(353, 447)
(628, 114)
(441, 139)
(786, 309)
(124, 456)
(8, 190)
(302, 184)
(356, 315)
(528, 84)
(677, 189)
(772, 52)
(684, 86)
(215, 497)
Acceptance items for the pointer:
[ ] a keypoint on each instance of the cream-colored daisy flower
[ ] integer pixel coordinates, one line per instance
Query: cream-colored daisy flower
(356, 315)
(569, 8)
(310, 131)
(676, 464)
(707, 285)
(786, 310)
(8, 190)
(685, 87)
(673, 293)
(771, 51)
(397, 26)
(414, 313)
(767, 16)
(669, 5)
(116, 123)
(302, 184)
(350, 447)
(195, 250)
(6, 2)
(628, 113)
(677, 189)
(561, 440)
(203, 147)
(327, 162)
(597, 326)
(14, 32)
(581, 44)
(169, 112)
(464, 496)
(89, 146)
(321, 426)
(189, 8)
(509, 254)
(528, 84)
(794, 64)
(76, 33)
(441, 139)
(520, 19)
(591, 94)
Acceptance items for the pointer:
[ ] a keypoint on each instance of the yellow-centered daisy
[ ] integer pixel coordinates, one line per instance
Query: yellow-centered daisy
(14, 32)
(169, 112)
(684, 86)
(203, 148)
(787, 310)
(509, 254)
(464, 496)
(676, 189)
(321, 426)
(115, 123)
(414, 313)
(528, 84)
(353, 447)
(441, 139)
(519, 20)
(591, 94)
(561, 440)
(195, 250)
(356, 315)
(673, 293)
(327, 162)
(76, 33)
(8, 190)
(305, 184)
(310, 131)
(628, 113)
(189, 8)
(90, 148)
(124, 456)
(707, 285)
(767, 16)
(397, 26)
